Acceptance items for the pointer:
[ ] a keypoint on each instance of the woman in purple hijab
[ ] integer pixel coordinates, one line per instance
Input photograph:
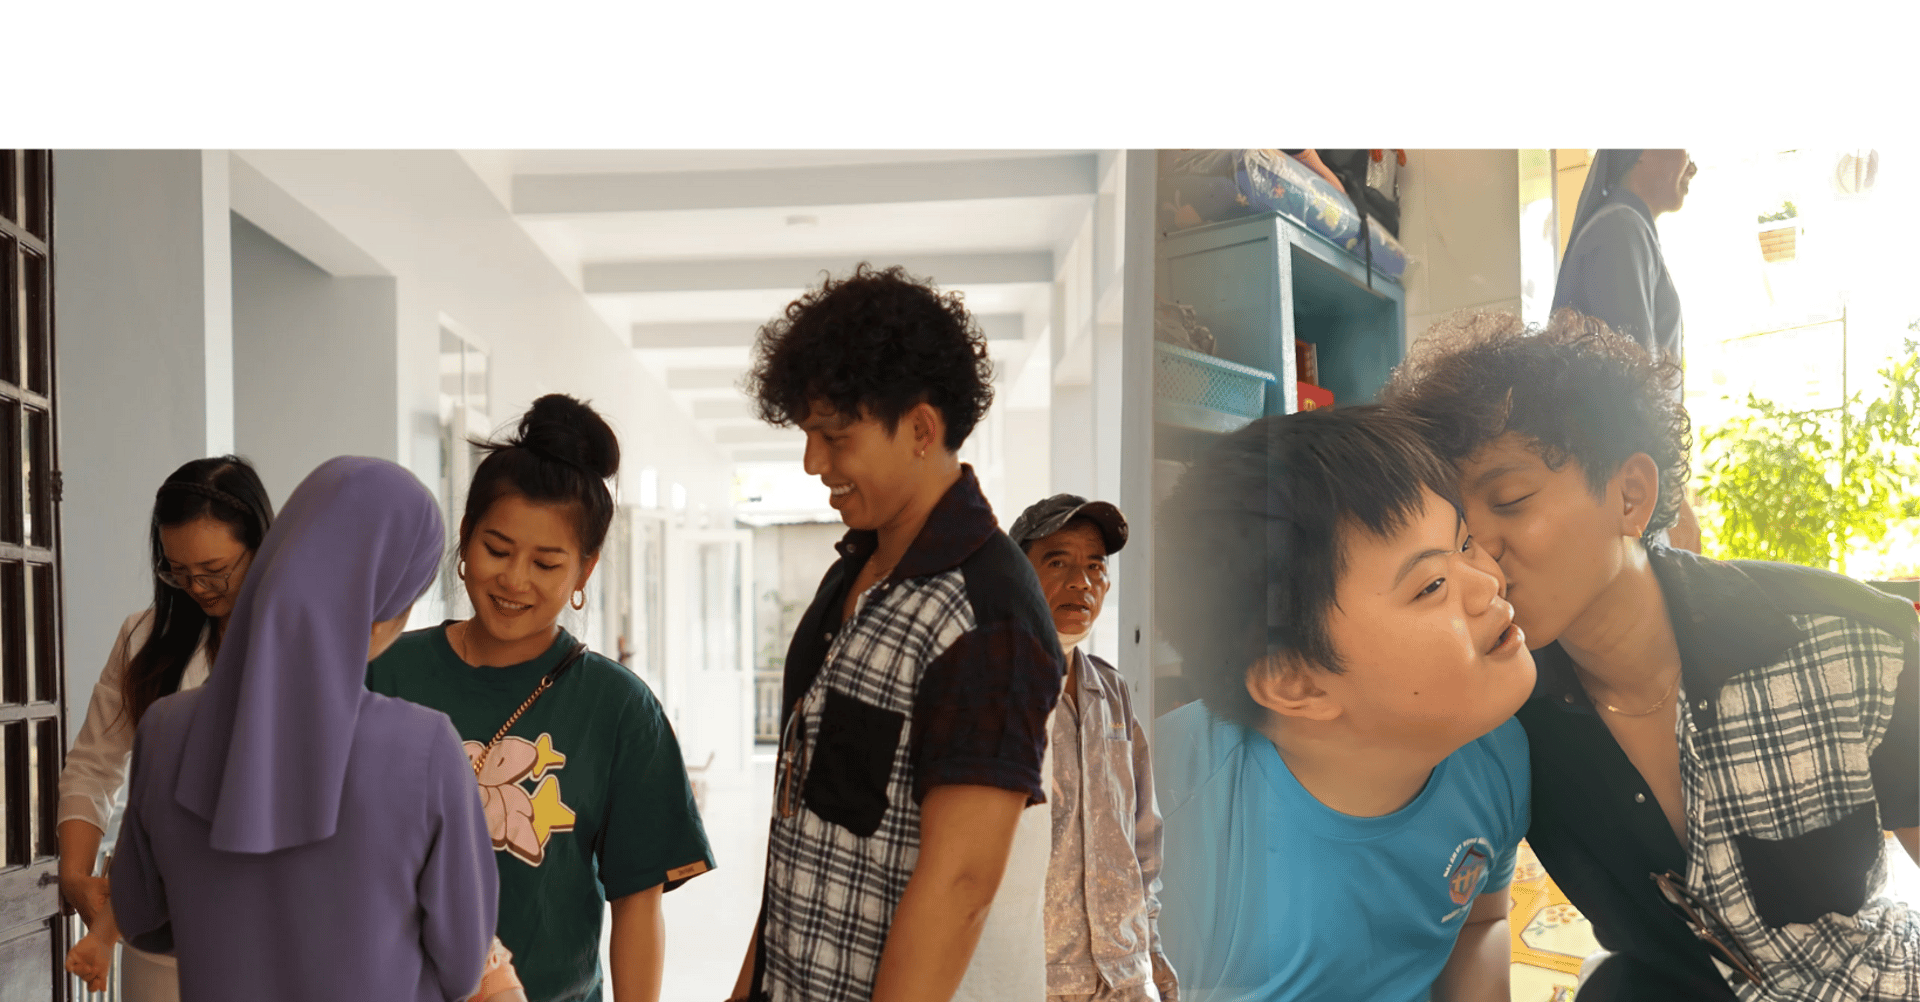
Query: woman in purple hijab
(288, 834)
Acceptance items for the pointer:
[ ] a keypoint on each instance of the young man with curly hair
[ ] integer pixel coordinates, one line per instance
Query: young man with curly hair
(903, 860)
(1344, 805)
(1717, 746)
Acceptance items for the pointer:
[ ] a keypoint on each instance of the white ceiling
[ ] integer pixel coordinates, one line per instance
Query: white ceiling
(702, 246)
(661, 161)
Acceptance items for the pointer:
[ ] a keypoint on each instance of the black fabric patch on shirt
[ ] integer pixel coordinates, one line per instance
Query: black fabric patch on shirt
(1821, 872)
(847, 779)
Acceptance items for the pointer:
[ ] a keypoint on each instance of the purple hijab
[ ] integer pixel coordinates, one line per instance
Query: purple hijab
(265, 755)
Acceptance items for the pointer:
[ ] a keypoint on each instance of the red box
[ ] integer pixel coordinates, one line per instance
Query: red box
(1313, 398)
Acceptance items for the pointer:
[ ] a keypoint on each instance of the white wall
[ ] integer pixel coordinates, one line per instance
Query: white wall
(313, 362)
(458, 255)
(144, 348)
(1091, 435)
(1029, 434)
(1460, 220)
(459, 259)
(380, 250)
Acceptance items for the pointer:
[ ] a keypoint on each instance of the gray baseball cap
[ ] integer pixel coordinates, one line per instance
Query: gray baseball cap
(1046, 517)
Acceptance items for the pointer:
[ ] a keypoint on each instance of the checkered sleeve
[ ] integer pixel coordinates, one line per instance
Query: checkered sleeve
(1896, 763)
(980, 716)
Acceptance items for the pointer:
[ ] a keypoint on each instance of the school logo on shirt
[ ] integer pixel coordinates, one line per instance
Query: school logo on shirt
(1465, 871)
(519, 822)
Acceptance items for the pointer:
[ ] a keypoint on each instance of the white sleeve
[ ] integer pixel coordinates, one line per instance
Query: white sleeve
(97, 766)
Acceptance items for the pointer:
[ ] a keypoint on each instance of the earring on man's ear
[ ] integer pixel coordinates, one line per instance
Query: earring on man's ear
(579, 599)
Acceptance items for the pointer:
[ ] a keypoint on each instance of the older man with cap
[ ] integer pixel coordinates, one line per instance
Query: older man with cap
(1102, 895)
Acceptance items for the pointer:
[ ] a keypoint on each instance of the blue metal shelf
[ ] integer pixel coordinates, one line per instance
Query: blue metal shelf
(1261, 281)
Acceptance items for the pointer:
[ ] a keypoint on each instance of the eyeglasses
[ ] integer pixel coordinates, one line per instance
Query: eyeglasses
(1708, 924)
(212, 584)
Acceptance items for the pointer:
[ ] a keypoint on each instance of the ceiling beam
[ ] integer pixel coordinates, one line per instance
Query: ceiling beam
(795, 187)
(721, 410)
(703, 379)
(764, 454)
(757, 435)
(742, 274)
(740, 333)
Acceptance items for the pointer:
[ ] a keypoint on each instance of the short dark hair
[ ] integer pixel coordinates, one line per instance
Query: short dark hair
(1575, 389)
(562, 453)
(1251, 542)
(878, 340)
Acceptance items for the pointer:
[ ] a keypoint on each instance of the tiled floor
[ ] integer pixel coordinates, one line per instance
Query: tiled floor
(710, 917)
(1551, 938)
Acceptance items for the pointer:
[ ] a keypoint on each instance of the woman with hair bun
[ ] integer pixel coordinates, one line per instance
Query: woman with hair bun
(586, 793)
(209, 517)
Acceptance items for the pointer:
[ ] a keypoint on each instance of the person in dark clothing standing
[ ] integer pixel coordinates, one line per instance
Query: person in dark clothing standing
(1613, 270)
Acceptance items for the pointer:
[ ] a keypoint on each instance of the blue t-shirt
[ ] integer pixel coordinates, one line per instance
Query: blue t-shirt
(1271, 895)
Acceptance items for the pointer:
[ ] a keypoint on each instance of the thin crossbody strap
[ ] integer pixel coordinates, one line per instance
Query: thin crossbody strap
(546, 682)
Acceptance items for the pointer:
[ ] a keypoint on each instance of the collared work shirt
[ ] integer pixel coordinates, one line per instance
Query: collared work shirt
(1103, 883)
(944, 675)
(1799, 741)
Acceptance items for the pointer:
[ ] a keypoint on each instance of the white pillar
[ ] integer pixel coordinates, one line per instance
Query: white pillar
(1135, 423)
(315, 362)
(144, 329)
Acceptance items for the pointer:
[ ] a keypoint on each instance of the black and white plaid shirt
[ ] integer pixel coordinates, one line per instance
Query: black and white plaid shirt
(1799, 743)
(944, 675)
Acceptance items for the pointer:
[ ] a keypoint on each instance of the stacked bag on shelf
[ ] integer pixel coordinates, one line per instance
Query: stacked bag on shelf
(1207, 186)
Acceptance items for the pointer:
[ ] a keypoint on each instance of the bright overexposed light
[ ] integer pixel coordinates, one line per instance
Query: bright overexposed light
(1799, 329)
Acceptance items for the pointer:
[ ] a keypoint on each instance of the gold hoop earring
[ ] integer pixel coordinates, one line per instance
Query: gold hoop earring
(580, 599)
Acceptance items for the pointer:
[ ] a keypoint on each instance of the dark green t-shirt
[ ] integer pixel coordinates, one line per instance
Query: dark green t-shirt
(586, 798)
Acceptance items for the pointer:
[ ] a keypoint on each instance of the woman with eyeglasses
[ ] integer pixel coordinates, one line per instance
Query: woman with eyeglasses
(209, 517)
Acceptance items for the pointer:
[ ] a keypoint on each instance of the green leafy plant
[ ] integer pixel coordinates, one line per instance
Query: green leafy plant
(1805, 486)
(1785, 211)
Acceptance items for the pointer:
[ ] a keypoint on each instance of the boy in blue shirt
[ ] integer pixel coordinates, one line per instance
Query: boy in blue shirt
(1344, 803)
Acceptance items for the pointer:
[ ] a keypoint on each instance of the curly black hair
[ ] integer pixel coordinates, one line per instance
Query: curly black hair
(1574, 388)
(1251, 543)
(879, 341)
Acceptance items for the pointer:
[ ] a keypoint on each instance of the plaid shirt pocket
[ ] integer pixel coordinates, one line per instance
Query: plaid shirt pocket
(847, 779)
(1822, 872)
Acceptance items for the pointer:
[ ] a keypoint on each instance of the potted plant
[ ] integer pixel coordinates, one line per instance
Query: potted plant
(1778, 230)
(1803, 486)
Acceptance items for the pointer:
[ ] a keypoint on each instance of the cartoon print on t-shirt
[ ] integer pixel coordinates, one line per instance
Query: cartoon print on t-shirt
(519, 823)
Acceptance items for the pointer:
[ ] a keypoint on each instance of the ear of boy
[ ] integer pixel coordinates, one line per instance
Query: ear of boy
(1283, 684)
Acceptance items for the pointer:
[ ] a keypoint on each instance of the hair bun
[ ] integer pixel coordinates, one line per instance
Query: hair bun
(564, 428)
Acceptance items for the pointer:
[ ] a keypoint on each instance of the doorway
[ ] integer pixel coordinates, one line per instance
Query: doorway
(32, 678)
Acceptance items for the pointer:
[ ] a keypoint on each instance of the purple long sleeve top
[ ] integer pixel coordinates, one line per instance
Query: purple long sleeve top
(398, 904)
